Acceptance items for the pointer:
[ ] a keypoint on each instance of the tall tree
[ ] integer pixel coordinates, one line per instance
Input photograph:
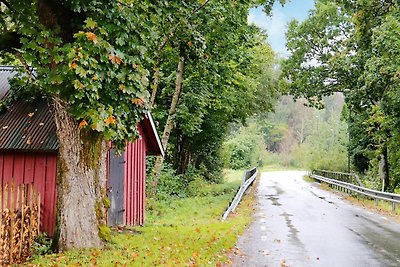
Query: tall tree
(335, 50)
(88, 60)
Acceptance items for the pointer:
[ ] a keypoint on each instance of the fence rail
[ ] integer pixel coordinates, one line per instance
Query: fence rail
(19, 222)
(249, 177)
(377, 195)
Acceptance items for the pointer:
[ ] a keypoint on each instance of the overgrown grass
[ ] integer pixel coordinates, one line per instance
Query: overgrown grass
(178, 232)
(383, 207)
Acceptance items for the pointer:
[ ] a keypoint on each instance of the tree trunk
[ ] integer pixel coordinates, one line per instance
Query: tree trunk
(184, 156)
(81, 183)
(384, 168)
(169, 125)
(154, 86)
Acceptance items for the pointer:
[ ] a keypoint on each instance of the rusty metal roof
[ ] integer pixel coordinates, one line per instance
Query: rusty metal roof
(28, 126)
(25, 125)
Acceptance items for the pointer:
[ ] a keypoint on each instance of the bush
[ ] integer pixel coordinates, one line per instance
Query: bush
(170, 184)
(245, 149)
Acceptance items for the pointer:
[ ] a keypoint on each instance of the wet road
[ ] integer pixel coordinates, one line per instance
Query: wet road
(298, 224)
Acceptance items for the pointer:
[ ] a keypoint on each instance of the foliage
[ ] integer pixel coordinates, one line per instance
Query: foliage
(245, 148)
(221, 84)
(350, 47)
(41, 245)
(179, 232)
(293, 136)
(98, 67)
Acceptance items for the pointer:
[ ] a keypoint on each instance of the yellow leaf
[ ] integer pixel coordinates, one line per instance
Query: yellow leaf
(78, 84)
(110, 120)
(134, 256)
(30, 115)
(138, 102)
(29, 141)
(91, 37)
(115, 59)
(82, 124)
(190, 44)
(73, 65)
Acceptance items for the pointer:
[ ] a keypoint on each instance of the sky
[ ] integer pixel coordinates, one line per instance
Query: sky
(281, 16)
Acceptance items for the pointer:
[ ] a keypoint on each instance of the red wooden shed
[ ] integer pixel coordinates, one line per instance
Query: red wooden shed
(29, 149)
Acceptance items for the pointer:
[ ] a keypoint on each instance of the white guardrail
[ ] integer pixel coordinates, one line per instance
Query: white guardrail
(377, 195)
(248, 179)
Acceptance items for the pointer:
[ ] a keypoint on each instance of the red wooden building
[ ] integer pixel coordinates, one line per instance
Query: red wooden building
(28, 154)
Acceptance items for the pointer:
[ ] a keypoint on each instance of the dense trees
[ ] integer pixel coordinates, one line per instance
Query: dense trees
(350, 47)
(293, 135)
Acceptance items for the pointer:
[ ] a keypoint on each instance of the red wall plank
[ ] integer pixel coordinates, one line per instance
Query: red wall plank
(135, 183)
(39, 169)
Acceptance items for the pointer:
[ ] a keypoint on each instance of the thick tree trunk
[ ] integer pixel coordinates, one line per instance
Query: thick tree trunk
(169, 125)
(384, 168)
(81, 182)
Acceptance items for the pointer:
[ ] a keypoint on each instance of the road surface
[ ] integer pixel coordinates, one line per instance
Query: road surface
(298, 224)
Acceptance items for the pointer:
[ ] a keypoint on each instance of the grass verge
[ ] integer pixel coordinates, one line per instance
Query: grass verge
(178, 232)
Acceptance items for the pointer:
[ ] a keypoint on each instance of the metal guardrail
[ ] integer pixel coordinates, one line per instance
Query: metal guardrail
(377, 195)
(249, 177)
(341, 176)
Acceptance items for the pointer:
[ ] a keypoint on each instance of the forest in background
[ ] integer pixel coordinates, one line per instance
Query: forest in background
(292, 136)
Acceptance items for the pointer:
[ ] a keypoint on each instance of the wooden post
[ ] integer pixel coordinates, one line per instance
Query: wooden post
(22, 219)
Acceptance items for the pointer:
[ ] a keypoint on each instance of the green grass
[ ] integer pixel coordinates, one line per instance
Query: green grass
(383, 207)
(308, 179)
(178, 232)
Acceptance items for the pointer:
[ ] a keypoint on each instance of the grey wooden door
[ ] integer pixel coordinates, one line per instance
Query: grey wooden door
(116, 188)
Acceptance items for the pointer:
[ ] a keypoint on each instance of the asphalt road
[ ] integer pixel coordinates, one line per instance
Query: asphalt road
(299, 224)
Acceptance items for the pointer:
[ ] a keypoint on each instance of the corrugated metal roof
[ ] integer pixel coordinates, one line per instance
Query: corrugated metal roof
(25, 126)
(28, 126)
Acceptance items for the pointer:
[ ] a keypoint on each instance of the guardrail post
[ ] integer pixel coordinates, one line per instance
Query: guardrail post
(393, 207)
(376, 202)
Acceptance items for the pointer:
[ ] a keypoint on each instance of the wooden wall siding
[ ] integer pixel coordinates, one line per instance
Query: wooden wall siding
(135, 183)
(39, 169)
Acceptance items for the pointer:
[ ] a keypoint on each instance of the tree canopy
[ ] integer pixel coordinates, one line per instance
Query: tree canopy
(351, 47)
